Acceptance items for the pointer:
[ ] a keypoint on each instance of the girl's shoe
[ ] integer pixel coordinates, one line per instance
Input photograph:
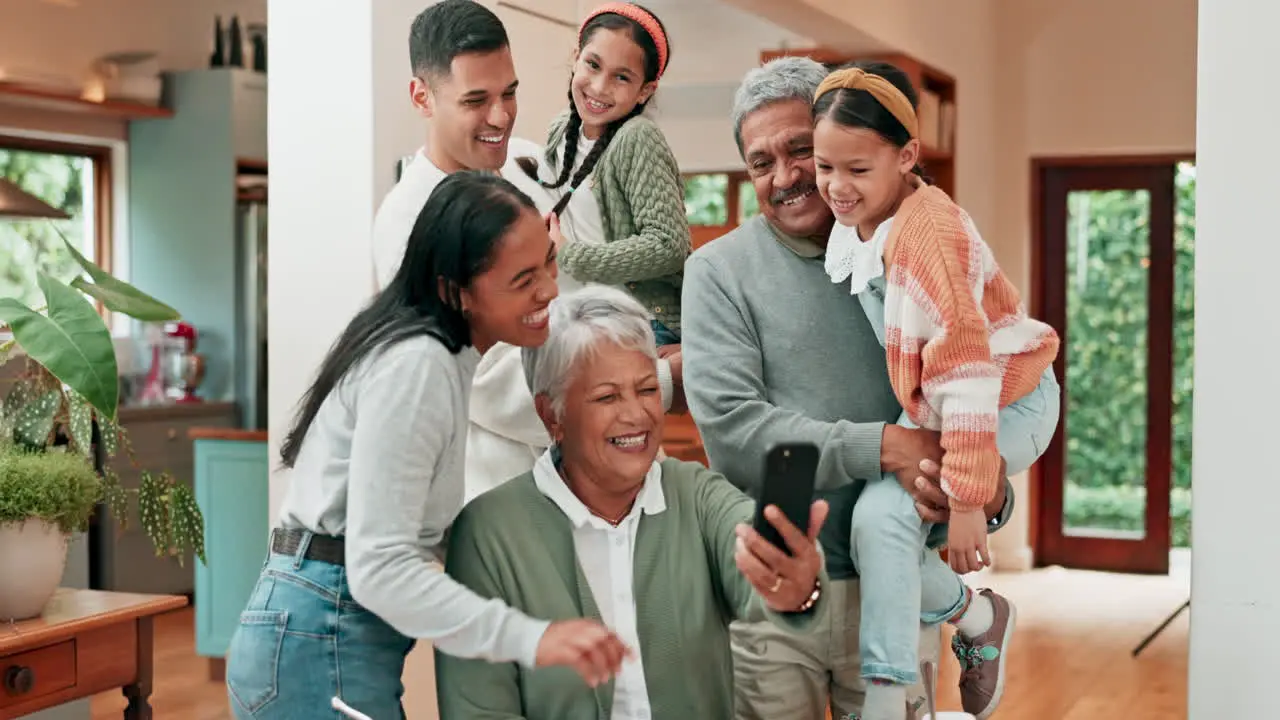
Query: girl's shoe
(982, 658)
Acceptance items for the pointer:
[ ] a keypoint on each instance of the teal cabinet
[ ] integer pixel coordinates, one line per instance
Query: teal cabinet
(231, 485)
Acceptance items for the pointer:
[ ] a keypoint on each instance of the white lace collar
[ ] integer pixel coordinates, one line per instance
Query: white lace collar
(848, 257)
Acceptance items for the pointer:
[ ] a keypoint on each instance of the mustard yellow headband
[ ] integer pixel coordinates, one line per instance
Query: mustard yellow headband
(882, 90)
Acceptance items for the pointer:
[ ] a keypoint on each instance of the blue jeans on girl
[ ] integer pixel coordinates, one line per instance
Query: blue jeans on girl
(904, 582)
(303, 639)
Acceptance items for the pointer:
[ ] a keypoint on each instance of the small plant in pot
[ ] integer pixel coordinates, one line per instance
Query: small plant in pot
(45, 497)
(57, 423)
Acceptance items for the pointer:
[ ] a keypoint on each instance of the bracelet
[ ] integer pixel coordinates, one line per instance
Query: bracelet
(812, 600)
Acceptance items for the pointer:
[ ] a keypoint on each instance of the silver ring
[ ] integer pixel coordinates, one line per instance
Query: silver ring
(777, 583)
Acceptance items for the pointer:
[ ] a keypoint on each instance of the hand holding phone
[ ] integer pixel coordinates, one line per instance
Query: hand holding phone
(779, 554)
(790, 472)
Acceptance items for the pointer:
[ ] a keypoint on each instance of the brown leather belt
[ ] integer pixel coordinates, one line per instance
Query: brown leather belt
(324, 548)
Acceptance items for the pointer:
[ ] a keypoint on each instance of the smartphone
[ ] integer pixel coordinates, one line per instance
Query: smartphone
(790, 471)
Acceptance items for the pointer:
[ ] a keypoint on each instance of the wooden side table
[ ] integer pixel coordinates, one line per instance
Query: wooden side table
(86, 642)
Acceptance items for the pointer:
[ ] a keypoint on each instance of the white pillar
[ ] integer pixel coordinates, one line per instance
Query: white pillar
(1235, 590)
(338, 118)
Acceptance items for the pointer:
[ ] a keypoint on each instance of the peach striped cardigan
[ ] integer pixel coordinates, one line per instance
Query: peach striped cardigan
(958, 341)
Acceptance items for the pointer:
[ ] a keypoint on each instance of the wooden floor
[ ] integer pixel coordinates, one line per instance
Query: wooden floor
(1070, 658)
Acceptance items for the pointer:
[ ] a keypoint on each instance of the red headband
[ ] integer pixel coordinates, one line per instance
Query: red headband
(642, 17)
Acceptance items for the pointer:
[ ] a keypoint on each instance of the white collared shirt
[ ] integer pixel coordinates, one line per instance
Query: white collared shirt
(605, 554)
(848, 257)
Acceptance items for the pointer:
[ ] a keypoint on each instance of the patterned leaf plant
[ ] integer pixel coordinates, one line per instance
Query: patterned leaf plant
(71, 381)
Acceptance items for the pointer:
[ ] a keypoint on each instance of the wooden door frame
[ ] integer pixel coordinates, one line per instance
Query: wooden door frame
(1119, 171)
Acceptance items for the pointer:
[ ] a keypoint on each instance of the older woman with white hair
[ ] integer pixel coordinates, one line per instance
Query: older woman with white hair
(662, 552)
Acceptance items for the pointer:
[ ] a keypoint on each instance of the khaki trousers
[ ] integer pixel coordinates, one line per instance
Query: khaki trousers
(784, 676)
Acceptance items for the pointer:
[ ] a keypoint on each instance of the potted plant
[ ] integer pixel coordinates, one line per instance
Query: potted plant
(44, 498)
(63, 404)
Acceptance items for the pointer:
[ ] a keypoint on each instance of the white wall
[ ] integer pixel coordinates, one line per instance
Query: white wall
(1235, 593)
(713, 44)
(333, 148)
(542, 51)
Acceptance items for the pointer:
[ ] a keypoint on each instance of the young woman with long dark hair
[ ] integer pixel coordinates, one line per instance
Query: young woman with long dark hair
(353, 577)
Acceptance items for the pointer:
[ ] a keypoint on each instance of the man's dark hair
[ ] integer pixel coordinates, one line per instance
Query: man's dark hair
(448, 29)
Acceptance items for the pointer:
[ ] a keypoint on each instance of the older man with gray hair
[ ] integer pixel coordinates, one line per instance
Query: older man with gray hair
(774, 352)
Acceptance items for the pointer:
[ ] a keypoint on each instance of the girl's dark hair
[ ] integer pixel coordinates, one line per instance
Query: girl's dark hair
(607, 21)
(860, 109)
(452, 242)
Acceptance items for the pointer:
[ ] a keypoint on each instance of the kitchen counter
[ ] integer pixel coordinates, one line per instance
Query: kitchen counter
(174, 411)
(123, 559)
(223, 433)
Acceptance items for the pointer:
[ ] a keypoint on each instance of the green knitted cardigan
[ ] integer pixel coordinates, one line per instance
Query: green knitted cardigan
(641, 195)
(515, 544)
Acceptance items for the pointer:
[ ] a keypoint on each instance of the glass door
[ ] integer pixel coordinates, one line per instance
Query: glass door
(1105, 264)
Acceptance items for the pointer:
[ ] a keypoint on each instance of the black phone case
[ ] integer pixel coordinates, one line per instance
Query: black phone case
(789, 475)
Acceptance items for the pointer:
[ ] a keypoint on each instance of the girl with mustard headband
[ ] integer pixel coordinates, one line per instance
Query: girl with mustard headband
(963, 359)
(619, 213)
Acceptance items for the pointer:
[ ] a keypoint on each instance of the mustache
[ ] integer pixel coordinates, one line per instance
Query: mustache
(792, 192)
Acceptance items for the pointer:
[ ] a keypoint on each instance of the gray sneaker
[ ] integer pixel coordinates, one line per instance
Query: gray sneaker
(982, 659)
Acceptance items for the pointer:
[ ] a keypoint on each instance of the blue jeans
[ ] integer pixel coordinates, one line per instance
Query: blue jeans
(662, 335)
(904, 581)
(303, 639)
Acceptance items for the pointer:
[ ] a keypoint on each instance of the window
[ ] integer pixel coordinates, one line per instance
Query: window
(72, 178)
(716, 203)
(706, 199)
(716, 199)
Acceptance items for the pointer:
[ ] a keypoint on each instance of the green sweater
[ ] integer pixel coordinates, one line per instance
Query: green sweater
(515, 544)
(641, 195)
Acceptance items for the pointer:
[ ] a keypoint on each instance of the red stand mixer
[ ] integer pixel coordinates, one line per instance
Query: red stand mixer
(176, 368)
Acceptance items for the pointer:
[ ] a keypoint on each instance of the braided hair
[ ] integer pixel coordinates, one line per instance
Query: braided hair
(573, 129)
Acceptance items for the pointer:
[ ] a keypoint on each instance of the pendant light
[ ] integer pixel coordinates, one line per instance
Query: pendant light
(18, 204)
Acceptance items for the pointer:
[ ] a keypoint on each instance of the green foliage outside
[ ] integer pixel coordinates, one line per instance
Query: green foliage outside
(1108, 253)
(704, 199)
(28, 247)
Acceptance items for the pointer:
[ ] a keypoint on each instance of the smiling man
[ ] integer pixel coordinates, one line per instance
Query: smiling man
(775, 352)
(464, 82)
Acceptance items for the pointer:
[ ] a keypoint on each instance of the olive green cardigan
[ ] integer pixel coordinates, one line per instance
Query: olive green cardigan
(641, 195)
(515, 544)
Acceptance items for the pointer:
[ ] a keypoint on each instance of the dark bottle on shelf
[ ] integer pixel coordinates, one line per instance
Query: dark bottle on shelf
(236, 58)
(219, 56)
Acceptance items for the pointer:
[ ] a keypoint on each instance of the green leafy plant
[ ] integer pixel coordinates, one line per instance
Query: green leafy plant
(56, 487)
(71, 382)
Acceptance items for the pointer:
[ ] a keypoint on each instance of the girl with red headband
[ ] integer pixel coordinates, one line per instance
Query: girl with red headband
(619, 200)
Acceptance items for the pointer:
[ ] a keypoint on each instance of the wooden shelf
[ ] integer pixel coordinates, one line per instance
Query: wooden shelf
(14, 94)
